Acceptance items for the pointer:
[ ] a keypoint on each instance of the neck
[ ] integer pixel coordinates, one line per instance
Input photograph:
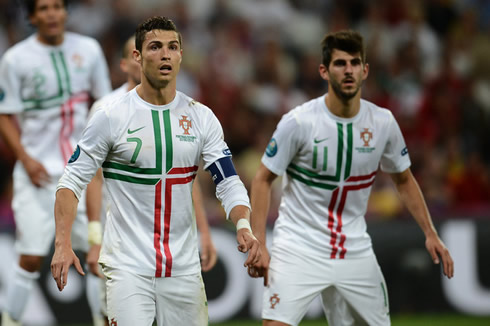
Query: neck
(52, 40)
(156, 95)
(131, 84)
(343, 108)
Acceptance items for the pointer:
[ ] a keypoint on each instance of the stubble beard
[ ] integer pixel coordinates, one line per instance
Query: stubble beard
(344, 96)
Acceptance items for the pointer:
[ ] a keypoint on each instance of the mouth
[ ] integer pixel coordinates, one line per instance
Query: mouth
(348, 82)
(166, 68)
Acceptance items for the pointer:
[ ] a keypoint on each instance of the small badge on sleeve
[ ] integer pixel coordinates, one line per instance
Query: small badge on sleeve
(271, 149)
(75, 155)
(404, 151)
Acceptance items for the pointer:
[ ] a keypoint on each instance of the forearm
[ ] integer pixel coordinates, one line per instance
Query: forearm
(94, 197)
(413, 199)
(11, 136)
(260, 197)
(201, 220)
(65, 210)
(238, 212)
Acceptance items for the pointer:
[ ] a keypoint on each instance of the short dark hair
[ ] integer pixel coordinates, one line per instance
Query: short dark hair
(128, 47)
(346, 40)
(31, 6)
(153, 23)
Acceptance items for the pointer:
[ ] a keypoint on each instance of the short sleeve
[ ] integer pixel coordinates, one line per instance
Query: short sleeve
(89, 155)
(10, 84)
(395, 157)
(283, 145)
(101, 83)
(214, 146)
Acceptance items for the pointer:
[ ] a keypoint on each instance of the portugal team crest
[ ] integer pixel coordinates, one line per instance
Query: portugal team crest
(366, 136)
(274, 300)
(185, 124)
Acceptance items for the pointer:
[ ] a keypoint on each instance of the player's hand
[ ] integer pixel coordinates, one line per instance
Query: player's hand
(247, 242)
(208, 253)
(92, 260)
(36, 171)
(261, 268)
(436, 249)
(63, 258)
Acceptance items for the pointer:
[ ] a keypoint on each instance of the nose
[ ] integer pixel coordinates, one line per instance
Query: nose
(165, 53)
(348, 68)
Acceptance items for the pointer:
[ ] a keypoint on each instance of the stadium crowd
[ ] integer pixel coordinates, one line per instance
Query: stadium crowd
(252, 61)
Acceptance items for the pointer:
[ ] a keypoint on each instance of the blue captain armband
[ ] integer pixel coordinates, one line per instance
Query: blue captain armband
(221, 169)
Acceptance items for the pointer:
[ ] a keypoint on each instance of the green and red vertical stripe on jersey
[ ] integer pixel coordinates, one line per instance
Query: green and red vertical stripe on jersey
(173, 176)
(64, 99)
(333, 183)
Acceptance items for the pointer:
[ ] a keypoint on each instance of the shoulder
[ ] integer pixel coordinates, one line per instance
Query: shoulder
(22, 48)
(378, 113)
(79, 40)
(200, 110)
(305, 114)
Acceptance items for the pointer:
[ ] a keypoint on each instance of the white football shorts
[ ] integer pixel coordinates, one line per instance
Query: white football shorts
(34, 217)
(137, 300)
(353, 291)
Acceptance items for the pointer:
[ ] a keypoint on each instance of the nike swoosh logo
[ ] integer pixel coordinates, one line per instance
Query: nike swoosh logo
(316, 141)
(135, 130)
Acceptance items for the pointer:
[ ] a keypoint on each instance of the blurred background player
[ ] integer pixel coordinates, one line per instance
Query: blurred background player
(47, 82)
(132, 69)
(329, 150)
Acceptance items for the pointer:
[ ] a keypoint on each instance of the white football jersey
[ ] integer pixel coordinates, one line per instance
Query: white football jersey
(49, 88)
(150, 156)
(330, 164)
(107, 99)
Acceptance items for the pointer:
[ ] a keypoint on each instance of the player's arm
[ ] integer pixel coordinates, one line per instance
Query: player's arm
(412, 197)
(65, 210)
(9, 132)
(261, 197)
(208, 251)
(94, 206)
(234, 199)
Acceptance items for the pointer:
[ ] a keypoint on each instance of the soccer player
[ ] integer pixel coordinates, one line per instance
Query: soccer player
(132, 69)
(329, 150)
(149, 143)
(46, 81)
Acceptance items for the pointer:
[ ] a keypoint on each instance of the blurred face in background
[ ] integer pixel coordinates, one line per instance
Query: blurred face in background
(129, 65)
(49, 18)
(160, 58)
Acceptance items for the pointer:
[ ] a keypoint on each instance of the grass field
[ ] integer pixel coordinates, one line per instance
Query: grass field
(398, 320)
(412, 320)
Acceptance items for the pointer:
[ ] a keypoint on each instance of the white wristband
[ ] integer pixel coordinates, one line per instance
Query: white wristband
(243, 223)
(94, 233)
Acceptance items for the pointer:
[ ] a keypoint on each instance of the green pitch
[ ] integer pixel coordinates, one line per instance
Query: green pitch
(398, 320)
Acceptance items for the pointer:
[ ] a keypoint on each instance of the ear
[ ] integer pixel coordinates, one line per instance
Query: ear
(181, 52)
(137, 56)
(365, 71)
(323, 70)
(123, 65)
(32, 20)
